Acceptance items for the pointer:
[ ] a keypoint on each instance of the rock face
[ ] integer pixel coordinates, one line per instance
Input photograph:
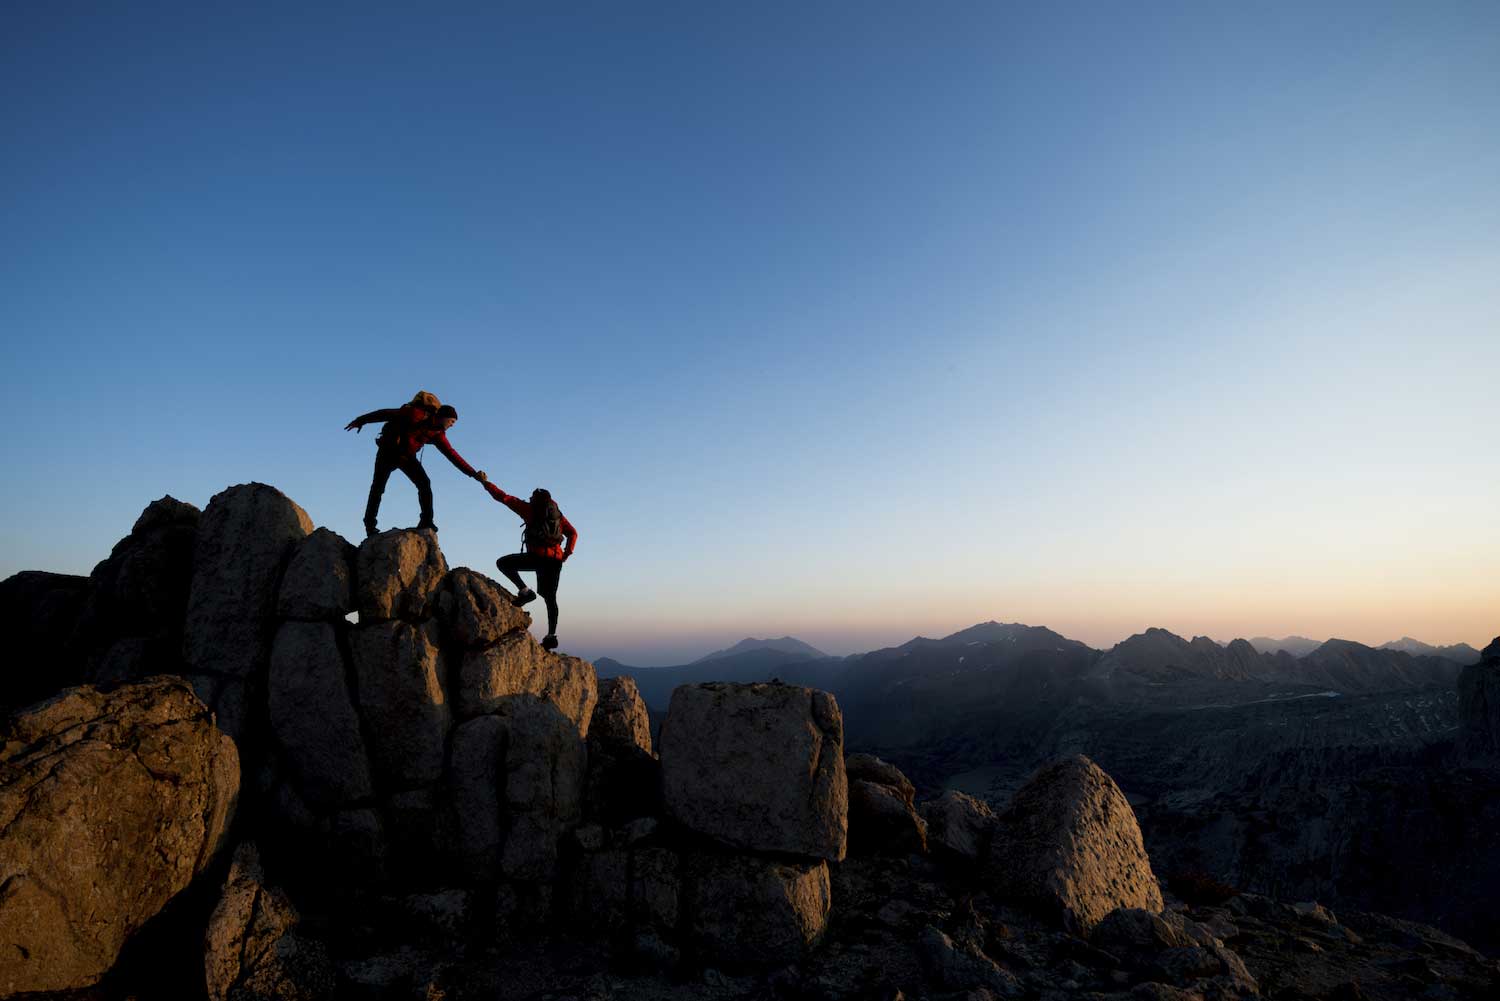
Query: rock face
(475, 611)
(1069, 845)
(244, 540)
(758, 766)
(1479, 707)
(405, 709)
(882, 817)
(109, 805)
(252, 951)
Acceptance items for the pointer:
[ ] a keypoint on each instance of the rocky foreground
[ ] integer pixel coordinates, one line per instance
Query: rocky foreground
(293, 768)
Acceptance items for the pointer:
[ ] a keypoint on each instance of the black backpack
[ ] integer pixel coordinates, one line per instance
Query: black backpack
(544, 527)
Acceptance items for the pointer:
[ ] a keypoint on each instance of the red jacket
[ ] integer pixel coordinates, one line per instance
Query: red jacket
(408, 428)
(523, 508)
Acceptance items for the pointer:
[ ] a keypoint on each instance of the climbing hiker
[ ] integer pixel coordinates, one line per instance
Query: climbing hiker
(542, 550)
(423, 421)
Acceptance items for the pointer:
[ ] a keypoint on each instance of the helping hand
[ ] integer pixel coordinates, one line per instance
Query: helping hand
(480, 476)
(354, 426)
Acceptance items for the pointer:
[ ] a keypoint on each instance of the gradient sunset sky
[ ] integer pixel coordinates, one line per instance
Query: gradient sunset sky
(854, 321)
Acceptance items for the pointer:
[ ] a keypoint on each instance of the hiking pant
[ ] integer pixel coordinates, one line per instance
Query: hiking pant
(548, 570)
(385, 464)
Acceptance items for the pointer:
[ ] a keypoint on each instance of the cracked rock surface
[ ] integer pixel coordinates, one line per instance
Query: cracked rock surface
(110, 803)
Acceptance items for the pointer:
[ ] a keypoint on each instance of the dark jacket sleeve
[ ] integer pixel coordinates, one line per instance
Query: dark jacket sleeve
(441, 441)
(377, 415)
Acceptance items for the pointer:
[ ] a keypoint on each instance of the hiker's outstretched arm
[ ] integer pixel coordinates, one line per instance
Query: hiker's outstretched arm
(516, 504)
(371, 418)
(441, 441)
(570, 533)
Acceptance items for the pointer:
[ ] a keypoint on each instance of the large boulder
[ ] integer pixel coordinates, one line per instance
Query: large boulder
(758, 766)
(399, 674)
(319, 580)
(882, 817)
(244, 540)
(1069, 845)
(313, 718)
(252, 950)
(517, 665)
(397, 574)
(110, 804)
(1479, 707)
(475, 611)
(958, 825)
(744, 911)
(475, 790)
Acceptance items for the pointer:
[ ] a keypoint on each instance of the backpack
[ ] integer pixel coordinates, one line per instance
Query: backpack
(544, 527)
(426, 400)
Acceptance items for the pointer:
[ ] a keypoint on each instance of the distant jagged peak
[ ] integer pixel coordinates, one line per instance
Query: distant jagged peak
(785, 644)
(1296, 646)
(1463, 653)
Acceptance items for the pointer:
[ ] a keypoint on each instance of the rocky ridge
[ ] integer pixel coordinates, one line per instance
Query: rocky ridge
(434, 807)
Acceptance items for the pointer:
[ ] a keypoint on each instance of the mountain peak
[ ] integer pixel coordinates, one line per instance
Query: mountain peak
(786, 644)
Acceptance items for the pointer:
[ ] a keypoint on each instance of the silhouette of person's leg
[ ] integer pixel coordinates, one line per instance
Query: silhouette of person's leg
(548, 572)
(383, 467)
(414, 472)
(509, 565)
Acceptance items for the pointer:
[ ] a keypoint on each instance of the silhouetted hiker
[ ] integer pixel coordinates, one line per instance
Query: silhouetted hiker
(408, 427)
(543, 551)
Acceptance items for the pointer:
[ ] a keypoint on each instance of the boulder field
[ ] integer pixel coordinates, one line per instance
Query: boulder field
(375, 784)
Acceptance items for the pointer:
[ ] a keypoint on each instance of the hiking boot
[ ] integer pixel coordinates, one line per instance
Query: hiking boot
(549, 642)
(426, 523)
(370, 530)
(527, 594)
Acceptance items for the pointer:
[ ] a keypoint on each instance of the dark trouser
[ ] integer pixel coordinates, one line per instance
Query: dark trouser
(547, 570)
(385, 464)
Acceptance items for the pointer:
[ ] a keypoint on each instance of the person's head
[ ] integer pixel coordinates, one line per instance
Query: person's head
(540, 496)
(446, 417)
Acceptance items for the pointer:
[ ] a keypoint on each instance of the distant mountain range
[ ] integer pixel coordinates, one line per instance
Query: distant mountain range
(1301, 646)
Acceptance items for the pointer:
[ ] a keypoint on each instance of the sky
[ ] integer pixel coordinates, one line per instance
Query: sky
(850, 321)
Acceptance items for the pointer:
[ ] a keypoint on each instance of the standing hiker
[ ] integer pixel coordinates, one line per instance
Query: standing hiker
(543, 551)
(423, 421)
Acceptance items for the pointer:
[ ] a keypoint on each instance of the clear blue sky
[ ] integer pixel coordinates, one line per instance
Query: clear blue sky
(853, 321)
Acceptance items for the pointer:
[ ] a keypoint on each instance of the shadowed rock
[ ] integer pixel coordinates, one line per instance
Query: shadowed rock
(624, 775)
(882, 818)
(319, 580)
(251, 950)
(1070, 846)
(755, 912)
(109, 805)
(1479, 707)
(396, 575)
(399, 673)
(313, 717)
(958, 825)
(758, 766)
(38, 613)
